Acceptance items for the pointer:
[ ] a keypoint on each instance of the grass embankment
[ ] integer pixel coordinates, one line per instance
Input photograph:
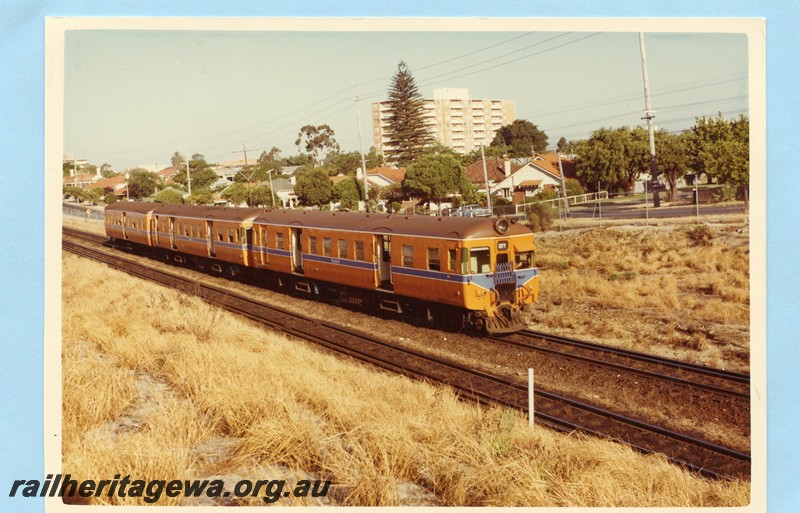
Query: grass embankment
(682, 291)
(161, 386)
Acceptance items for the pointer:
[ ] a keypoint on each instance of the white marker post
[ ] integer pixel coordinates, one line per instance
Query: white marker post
(530, 397)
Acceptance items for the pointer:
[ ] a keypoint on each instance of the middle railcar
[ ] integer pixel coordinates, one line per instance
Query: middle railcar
(478, 271)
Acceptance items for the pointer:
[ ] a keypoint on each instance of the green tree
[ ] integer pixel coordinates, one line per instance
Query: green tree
(169, 197)
(318, 141)
(260, 196)
(672, 154)
(142, 183)
(406, 132)
(522, 137)
(110, 198)
(236, 193)
(177, 160)
(573, 186)
(313, 187)
(433, 177)
(348, 192)
(562, 143)
(613, 157)
(107, 172)
(201, 196)
(720, 148)
(201, 174)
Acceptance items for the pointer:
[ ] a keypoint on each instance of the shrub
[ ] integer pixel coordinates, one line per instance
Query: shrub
(700, 234)
(541, 216)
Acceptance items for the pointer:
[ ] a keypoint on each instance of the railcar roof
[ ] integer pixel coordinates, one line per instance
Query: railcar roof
(195, 211)
(393, 224)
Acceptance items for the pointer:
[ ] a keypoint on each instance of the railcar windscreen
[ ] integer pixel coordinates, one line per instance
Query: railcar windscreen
(480, 261)
(523, 260)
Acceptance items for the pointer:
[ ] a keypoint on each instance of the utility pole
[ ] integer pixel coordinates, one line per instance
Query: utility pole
(563, 186)
(188, 177)
(250, 176)
(361, 150)
(486, 181)
(649, 115)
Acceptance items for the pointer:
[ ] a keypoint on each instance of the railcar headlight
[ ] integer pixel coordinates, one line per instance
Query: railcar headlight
(501, 226)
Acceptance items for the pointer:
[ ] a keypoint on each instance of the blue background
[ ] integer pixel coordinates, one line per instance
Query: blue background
(21, 207)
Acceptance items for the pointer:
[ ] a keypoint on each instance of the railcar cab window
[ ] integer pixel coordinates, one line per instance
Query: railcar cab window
(480, 261)
(523, 260)
(452, 260)
(434, 264)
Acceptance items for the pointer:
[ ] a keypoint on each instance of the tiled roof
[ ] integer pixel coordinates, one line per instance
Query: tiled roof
(395, 175)
(494, 170)
(549, 162)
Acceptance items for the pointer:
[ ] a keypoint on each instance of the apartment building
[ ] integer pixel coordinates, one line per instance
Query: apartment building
(453, 119)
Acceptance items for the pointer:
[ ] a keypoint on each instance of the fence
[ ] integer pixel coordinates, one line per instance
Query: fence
(525, 208)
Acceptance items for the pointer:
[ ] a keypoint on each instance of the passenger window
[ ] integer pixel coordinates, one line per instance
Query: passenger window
(327, 246)
(433, 259)
(452, 263)
(359, 250)
(342, 248)
(312, 245)
(523, 260)
(279, 240)
(408, 256)
(219, 234)
(479, 261)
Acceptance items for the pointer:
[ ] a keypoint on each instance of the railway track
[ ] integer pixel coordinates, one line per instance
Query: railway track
(553, 410)
(697, 377)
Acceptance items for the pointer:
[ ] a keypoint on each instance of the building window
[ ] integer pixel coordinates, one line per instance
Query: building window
(359, 250)
(433, 259)
(408, 256)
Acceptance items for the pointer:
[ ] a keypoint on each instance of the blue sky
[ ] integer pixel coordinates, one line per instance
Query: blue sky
(133, 97)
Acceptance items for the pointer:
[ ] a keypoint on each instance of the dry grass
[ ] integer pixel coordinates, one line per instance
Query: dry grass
(678, 290)
(158, 385)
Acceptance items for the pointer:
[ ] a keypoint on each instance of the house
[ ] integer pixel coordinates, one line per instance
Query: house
(385, 176)
(538, 174)
(497, 170)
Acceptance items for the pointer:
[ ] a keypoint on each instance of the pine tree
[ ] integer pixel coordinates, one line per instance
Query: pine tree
(406, 130)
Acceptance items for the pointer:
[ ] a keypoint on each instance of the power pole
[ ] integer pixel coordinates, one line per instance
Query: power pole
(249, 192)
(486, 181)
(563, 186)
(649, 115)
(361, 150)
(188, 177)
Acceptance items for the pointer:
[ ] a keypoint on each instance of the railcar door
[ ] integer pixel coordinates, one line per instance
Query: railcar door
(172, 233)
(297, 250)
(385, 260)
(210, 232)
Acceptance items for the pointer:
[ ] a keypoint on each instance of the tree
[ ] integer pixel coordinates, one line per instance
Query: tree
(348, 192)
(177, 160)
(435, 176)
(202, 175)
(142, 183)
(169, 197)
(236, 193)
(721, 148)
(110, 198)
(672, 152)
(613, 157)
(522, 137)
(107, 172)
(314, 186)
(201, 196)
(318, 141)
(260, 196)
(406, 132)
(562, 143)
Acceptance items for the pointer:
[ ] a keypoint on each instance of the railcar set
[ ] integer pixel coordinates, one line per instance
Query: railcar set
(446, 270)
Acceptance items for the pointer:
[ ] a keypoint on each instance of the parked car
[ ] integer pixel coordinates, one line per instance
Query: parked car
(471, 211)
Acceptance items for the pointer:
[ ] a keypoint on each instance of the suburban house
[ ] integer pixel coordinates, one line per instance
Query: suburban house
(385, 176)
(517, 181)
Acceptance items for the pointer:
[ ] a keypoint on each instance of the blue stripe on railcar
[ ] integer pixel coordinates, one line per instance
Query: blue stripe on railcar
(358, 264)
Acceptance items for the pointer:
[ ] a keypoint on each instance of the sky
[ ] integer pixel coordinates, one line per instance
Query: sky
(134, 97)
